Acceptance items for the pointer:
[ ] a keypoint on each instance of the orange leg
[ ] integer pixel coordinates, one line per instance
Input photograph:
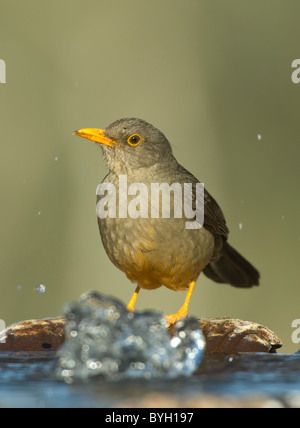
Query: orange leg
(130, 306)
(183, 311)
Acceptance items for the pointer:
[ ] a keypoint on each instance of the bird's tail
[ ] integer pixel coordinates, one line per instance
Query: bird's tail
(232, 268)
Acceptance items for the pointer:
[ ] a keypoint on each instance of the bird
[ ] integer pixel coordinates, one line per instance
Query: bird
(156, 251)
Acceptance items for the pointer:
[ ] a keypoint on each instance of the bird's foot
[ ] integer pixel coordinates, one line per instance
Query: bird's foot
(183, 311)
(130, 306)
(173, 318)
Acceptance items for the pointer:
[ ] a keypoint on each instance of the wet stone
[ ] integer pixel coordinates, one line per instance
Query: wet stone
(104, 339)
(33, 335)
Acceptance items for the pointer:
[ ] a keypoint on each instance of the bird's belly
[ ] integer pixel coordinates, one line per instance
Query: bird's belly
(156, 252)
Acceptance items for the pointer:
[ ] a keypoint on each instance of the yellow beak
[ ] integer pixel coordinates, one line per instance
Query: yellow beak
(96, 135)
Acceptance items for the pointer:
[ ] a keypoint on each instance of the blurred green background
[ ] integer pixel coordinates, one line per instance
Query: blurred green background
(213, 76)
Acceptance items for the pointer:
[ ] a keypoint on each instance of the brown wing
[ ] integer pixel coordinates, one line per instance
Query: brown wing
(214, 219)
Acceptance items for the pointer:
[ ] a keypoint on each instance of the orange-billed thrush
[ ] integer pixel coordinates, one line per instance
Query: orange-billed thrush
(155, 252)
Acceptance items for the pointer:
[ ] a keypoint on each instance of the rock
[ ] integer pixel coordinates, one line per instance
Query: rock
(33, 335)
(225, 336)
(233, 336)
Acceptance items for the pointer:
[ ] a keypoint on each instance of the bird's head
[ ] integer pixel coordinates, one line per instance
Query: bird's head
(130, 144)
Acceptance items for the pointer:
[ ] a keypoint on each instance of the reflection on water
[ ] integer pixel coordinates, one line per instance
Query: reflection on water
(27, 380)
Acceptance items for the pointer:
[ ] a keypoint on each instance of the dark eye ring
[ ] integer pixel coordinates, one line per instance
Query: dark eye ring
(134, 140)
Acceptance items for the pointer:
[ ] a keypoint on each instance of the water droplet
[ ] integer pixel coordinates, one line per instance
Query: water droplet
(39, 213)
(19, 287)
(282, 217)
(40, 289)
(240, 226)
(56, 158)
(259, 137)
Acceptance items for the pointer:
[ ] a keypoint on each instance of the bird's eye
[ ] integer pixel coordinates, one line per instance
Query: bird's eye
(134, 140)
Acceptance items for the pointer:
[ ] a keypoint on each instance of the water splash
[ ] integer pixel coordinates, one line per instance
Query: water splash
(105, 340)
(40, 289)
